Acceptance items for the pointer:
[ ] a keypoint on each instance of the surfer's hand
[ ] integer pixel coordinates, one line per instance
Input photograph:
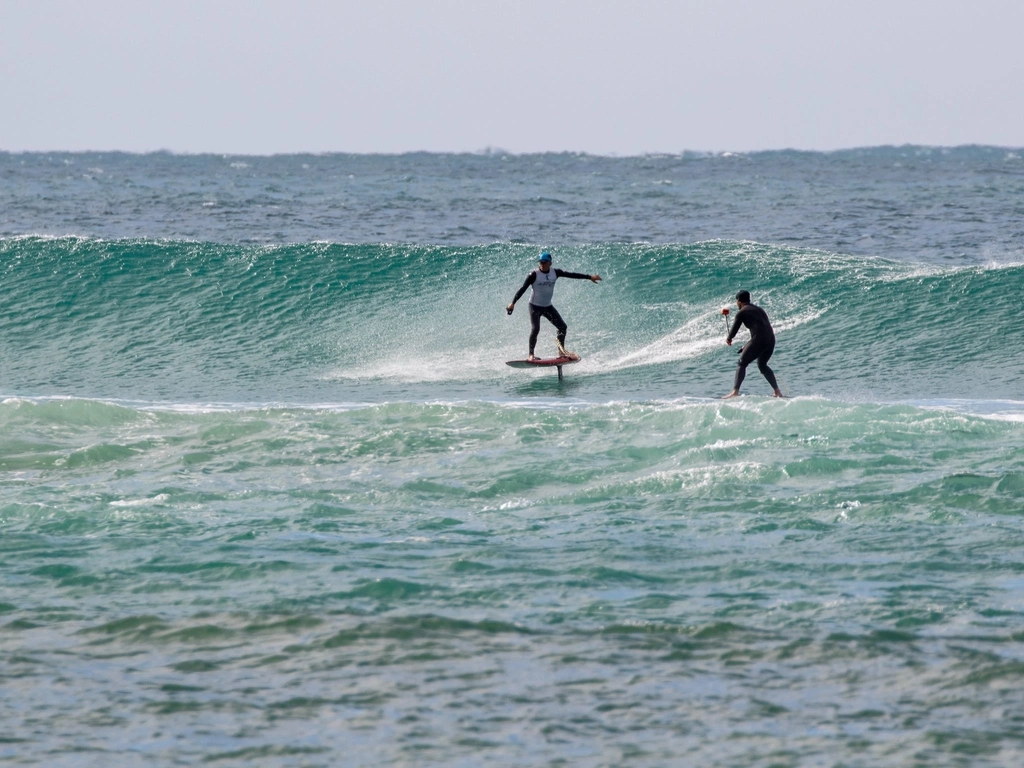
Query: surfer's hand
(595, 278)
(729, 342)
(510, 307)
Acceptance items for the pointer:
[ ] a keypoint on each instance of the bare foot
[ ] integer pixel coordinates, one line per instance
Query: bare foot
(734, 393)
(531, 358)
(778, 393)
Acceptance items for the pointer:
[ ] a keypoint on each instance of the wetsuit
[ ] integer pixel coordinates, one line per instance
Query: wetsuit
(540, 301)
(760, 346)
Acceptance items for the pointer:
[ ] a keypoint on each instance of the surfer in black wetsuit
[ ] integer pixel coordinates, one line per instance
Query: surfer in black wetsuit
(543, 281)
(760, 346)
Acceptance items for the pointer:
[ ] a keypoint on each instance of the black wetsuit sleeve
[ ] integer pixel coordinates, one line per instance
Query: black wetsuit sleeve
(572, 275)
(735, 326)
(530, 278)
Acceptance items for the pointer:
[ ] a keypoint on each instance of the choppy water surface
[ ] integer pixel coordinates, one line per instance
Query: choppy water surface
(269, 494)
(917, 203)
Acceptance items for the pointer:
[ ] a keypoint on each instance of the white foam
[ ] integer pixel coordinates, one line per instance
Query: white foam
(158, 499)
(1017, 418)
(412, 370)
(694, 338)
(509, 506)
(997, 410)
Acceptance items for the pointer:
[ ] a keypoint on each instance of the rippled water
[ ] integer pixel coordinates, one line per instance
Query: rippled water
(265, 500)
(916, 203)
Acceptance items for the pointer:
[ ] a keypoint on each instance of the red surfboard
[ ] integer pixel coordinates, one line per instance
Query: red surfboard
(543, 362)
(546, 362)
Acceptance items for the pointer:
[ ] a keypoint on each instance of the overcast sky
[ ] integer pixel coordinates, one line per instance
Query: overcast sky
(628, 77)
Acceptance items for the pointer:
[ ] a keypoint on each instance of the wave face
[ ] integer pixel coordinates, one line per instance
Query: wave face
(182, 321)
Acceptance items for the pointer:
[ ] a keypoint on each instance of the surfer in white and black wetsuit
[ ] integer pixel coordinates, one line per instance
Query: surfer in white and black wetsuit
(543, 281)
(760, 346)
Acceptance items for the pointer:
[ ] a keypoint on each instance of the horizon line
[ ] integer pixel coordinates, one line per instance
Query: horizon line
(498, 151)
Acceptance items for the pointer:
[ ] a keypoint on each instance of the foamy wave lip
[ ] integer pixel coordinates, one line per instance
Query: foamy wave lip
(808, 262)
(1013, 417)
(997, 410)
(1006, 261)
(50, 237)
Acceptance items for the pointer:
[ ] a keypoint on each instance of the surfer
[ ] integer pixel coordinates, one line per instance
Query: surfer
(760, 346)
(543, 281)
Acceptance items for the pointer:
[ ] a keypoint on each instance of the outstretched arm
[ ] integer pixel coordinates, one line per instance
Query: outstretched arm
(578, 276)
(530, 278)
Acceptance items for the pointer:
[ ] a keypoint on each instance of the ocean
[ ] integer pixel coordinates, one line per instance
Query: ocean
(270, 495)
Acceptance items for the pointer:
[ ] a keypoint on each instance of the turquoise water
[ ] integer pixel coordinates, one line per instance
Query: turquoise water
(282, 503)
(191, 322)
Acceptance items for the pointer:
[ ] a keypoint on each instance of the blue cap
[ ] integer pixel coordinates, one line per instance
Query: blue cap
(545, 256)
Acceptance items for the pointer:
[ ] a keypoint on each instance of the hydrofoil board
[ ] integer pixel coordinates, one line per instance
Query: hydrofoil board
(543, 362)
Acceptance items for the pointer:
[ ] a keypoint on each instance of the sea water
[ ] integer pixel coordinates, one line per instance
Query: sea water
(269, 494)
